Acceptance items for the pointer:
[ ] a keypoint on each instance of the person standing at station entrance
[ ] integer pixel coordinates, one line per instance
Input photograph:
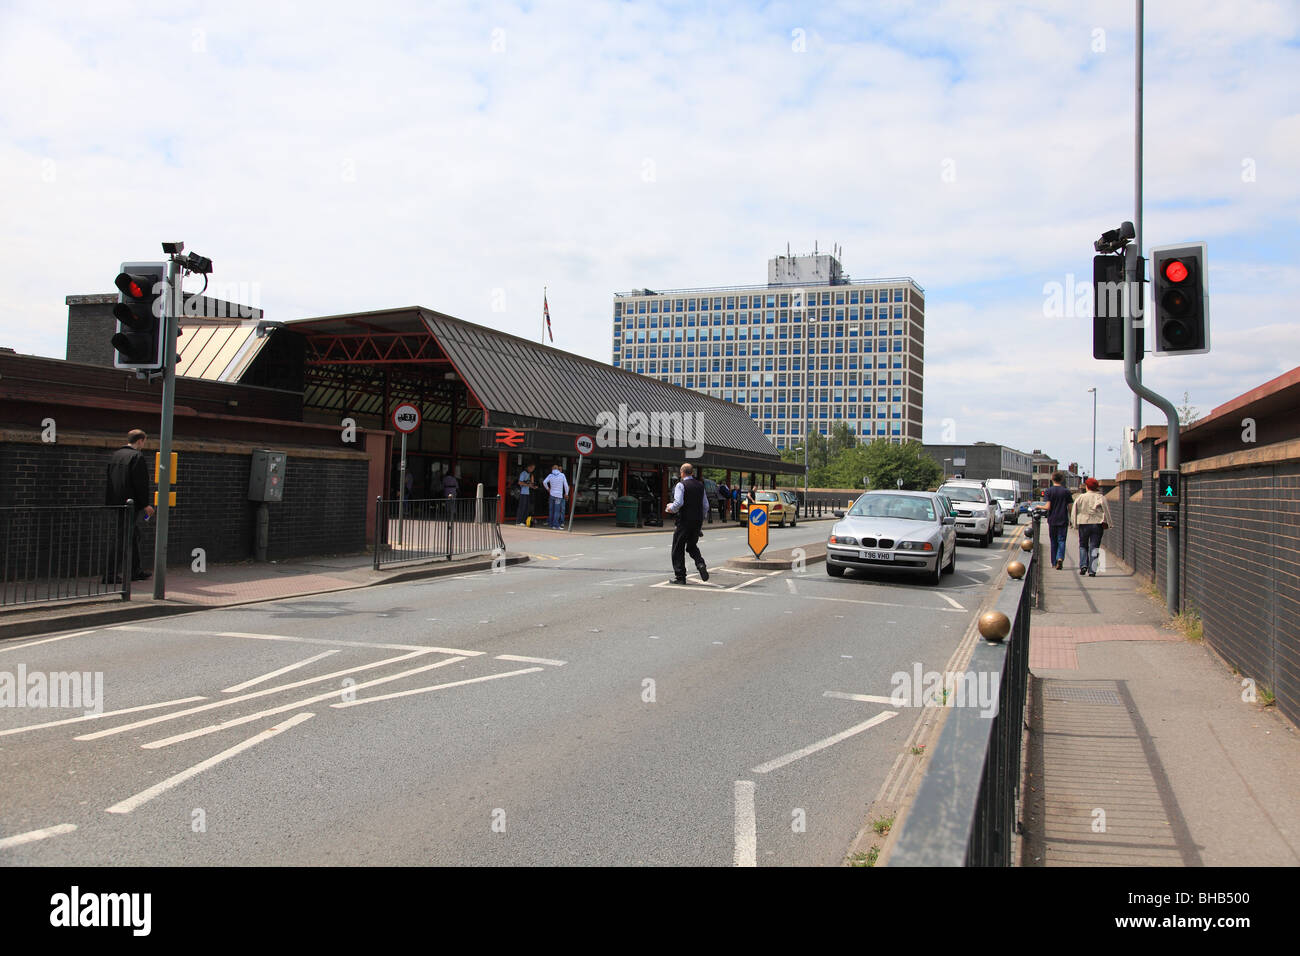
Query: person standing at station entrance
(526, 485)
(128, 478)
(558, 487)
(689, 505)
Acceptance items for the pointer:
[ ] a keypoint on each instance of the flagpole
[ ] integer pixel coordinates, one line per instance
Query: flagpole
(543, 315)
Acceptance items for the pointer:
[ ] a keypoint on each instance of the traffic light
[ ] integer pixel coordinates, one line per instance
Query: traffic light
(1180, 299)
(1108, 300)
(1167, 489)
(141, 339)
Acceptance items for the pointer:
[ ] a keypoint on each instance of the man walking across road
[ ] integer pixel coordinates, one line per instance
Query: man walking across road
(689, 504)
(724, 500)
(526, 485)
(128, 478)
(1059, 501)
(1092, 517)
(558, 487)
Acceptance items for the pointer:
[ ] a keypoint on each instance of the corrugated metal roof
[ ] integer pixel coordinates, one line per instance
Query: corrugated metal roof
(524, 379)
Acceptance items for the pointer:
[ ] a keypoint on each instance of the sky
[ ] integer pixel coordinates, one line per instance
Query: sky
(346, 157)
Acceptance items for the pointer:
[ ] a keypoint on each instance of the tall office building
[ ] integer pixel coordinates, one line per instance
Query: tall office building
(809, 349)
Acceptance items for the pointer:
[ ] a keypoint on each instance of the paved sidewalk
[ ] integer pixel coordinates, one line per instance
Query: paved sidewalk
(1142, 751)
(226, 585)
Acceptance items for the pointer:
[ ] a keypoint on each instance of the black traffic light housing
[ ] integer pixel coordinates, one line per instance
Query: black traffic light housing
(1180, 299)
(140, 341)
(1108, 299)
(1167, 488)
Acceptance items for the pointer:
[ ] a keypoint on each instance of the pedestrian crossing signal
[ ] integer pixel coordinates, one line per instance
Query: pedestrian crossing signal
(1167, 490)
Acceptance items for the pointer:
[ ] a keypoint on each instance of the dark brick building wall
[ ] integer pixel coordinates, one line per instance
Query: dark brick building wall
(323, 511)
(1239, 545)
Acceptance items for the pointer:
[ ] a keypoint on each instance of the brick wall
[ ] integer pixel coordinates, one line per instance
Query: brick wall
(323, 511)
(1239, 550)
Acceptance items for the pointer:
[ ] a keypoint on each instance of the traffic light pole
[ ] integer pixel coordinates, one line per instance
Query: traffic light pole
(172, 307)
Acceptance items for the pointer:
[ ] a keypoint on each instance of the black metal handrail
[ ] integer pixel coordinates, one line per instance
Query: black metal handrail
(965, 810)
(65, 552)
(417, 530)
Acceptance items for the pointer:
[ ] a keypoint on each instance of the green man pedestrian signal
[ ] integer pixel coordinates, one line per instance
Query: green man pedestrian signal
(1180, 299)
(1167, 490)
(140, 340)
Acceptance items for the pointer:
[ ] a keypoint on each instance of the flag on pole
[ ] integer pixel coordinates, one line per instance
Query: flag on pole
(546, 313)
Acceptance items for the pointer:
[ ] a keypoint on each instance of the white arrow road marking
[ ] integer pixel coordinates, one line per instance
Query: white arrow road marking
(107, 713)
(31, 836)
(257, 693)
(865, 698)
(433, 687)
(802, 752)
(283, 670)
(144, 796)
(271, 712)
(746, 826)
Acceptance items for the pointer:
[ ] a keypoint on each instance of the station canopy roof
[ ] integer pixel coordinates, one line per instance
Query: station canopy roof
(515, 382)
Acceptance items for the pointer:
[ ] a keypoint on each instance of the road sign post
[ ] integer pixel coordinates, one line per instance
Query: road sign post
(406, 419)
(757, 528)
(585, 445)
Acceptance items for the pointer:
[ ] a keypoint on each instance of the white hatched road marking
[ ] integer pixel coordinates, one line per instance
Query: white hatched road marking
(910, 607)
(746, 825)
(61, 637)
(109, 713)
(530, 660)
(802, 752)
(31, 836)
(865, 698)
(306, 702)
(433, 687)
(301, 640)
(257, 693)
(144, 796)
(283, 670)
(952, 602)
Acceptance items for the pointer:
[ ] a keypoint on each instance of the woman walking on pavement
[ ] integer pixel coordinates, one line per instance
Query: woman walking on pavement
(1091, 517)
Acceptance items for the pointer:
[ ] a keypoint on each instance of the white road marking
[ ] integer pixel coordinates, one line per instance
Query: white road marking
(31, 836)
(530, 660)
(865, 698)
(283, 670)
(298, 640)
(307, 702)
(425, 690)
(746, 826)
(108, 713)
(61, 637)
(257, 693)
(144, 796)
(952, 602)
(802, 752)
(910, 607)
(789, 583)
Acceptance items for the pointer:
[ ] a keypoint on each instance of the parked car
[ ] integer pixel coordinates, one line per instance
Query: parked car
(977, 514)
(792, 502)
(779, 510)
(894, 531)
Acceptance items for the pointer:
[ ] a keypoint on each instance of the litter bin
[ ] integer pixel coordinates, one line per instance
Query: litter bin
(627, 512)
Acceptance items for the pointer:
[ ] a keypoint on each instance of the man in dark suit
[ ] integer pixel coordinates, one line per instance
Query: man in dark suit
(128, 478)
(689, 504)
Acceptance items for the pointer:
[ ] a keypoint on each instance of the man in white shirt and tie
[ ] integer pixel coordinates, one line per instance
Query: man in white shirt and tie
(558, 487)
(690, 504)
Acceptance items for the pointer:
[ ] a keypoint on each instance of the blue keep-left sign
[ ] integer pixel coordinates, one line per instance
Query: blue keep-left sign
(757, 529)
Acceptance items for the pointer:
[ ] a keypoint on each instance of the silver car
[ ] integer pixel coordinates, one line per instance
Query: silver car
(894, 531)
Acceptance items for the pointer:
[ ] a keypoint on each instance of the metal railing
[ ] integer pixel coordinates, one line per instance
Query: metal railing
(965, 810)
(434, 528)
(62, 553)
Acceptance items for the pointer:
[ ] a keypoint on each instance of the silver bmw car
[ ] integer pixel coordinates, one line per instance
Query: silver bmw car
(895, 531)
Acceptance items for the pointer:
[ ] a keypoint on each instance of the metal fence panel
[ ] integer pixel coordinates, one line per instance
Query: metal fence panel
(434, 528)
(60, 553)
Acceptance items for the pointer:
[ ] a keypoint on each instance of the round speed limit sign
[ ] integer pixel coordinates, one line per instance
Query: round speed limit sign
(585, 445)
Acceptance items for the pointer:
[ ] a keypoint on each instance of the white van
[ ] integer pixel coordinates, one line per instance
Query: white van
(1006, 493)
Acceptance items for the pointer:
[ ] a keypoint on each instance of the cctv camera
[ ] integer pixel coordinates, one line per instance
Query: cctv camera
(173, 248)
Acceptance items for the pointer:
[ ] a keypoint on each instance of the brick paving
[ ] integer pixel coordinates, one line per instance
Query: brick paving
(1055, 647)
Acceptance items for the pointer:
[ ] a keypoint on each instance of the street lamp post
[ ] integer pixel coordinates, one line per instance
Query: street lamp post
(1093, 473)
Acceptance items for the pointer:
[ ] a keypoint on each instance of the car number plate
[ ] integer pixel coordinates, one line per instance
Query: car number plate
(877, 556)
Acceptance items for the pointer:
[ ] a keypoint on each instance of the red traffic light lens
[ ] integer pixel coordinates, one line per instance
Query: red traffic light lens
(1175, 270)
